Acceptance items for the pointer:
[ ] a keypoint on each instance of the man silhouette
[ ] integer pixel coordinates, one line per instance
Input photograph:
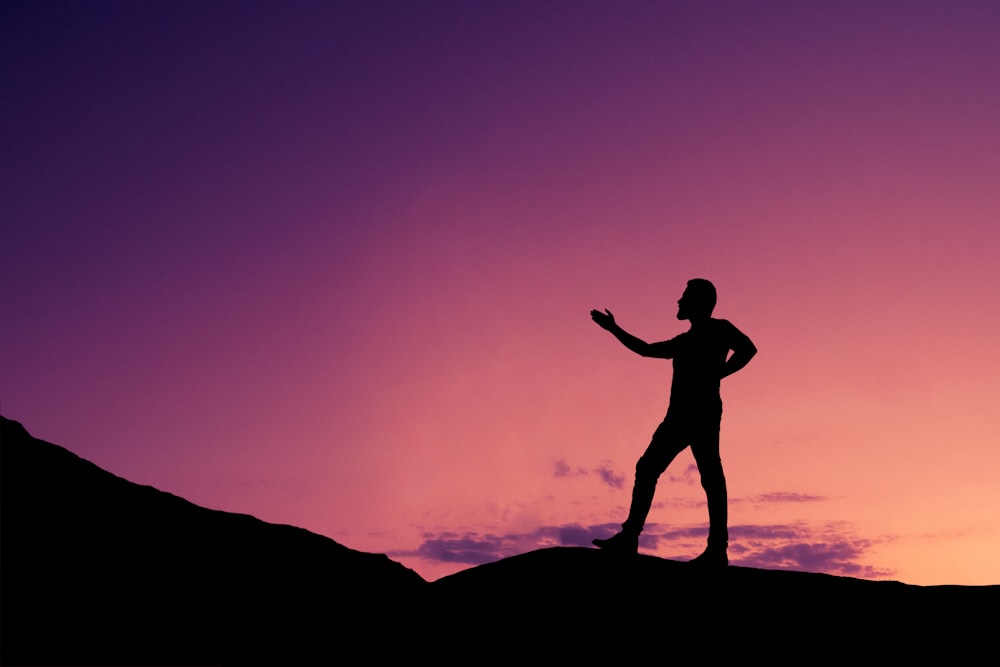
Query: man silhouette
(701, 359)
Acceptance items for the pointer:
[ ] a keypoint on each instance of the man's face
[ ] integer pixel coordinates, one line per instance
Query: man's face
(684, 306)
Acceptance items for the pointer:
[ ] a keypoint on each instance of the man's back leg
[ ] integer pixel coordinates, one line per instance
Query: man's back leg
(713, 480)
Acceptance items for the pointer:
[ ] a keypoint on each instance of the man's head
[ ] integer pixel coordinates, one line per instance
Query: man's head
(698, 300)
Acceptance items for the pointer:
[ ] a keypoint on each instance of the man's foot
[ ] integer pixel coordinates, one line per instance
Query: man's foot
(622, 543)
(710, 558)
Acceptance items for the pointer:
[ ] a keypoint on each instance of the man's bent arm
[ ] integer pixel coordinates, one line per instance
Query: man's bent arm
(743, 351)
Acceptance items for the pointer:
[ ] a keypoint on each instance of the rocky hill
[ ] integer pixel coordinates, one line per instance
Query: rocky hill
(97, 570)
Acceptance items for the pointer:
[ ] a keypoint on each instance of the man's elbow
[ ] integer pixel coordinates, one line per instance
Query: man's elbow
(747, 353)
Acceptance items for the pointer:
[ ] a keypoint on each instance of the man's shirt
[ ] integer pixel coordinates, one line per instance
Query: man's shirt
(699, 356)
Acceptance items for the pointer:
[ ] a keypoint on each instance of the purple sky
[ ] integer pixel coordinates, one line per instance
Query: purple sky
(330, 264)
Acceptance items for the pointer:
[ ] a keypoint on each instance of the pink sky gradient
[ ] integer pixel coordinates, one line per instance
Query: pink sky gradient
(331, 264)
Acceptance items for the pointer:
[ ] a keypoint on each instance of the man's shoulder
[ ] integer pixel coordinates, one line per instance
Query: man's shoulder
(721, 327)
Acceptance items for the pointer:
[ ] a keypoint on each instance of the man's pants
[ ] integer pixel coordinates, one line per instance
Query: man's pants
(677, 431)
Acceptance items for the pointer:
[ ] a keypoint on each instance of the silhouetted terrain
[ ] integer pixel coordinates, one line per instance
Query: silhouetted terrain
(97, 570)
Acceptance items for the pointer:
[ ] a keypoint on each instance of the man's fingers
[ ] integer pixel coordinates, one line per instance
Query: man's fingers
(602, 318)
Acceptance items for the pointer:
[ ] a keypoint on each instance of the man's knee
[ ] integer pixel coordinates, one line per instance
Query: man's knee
(712, 476)
(713, 484)
(648, 468)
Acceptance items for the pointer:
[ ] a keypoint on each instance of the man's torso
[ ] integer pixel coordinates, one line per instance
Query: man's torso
(698, 359)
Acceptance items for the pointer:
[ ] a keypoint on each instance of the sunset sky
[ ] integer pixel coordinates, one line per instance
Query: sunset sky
(331, 264)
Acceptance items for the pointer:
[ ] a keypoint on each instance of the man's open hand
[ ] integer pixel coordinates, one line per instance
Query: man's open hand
(604, 320)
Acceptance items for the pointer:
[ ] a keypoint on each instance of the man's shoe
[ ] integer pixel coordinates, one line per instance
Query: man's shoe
(621, 543)
(710, 558)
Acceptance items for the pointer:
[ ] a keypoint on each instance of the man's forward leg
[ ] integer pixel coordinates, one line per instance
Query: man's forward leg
(666, 443)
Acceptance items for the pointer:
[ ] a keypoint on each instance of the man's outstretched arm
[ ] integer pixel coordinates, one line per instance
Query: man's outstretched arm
(606, 321)
(743, 351)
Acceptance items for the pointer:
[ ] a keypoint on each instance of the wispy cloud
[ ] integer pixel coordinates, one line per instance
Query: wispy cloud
(563, 469)
(784, 497)
(581, 536)
(475, 548)
(838, 557)
(831, 548)
(680, 503)
(610, 477)
(689, 476)
(471, 548)
(605, 472)
(761, 499)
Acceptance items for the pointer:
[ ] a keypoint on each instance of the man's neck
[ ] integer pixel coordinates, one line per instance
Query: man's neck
(699, 322)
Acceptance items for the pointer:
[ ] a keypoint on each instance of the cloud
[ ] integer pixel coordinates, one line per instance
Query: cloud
(474, 548)
(785, 497)
(839, 557)
(470, 548)
(689, 476)
(605, 471)
(680, 503)
(758, 534)
(580, 536)
(610, 477)
(563, 469)
(831, 548)
(765, 498)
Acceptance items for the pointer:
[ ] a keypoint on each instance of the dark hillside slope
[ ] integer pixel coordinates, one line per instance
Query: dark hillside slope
(580, 606)
(96, 569)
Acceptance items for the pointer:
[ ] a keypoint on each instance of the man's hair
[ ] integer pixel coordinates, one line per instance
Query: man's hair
(703, 292)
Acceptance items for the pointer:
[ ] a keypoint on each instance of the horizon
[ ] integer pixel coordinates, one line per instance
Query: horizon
(331, 265)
